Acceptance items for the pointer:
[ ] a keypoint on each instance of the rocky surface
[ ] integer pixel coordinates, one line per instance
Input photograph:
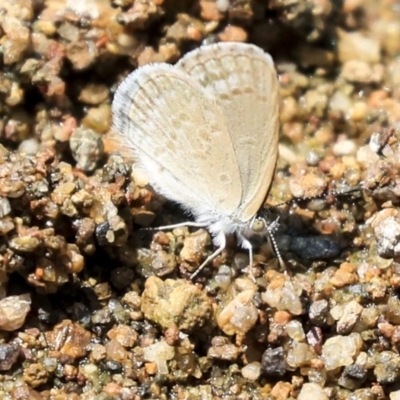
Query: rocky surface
(94, 307)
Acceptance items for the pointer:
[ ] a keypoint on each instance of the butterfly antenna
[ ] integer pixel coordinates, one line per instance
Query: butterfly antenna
(271, 229)
(320, 196)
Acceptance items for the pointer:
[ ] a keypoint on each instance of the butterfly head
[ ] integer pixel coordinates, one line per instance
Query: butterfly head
(258, 225)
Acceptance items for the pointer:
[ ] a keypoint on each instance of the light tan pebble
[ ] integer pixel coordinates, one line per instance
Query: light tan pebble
(98, 353)
(152, 369)
(185, 28)
(282, 317)
(82, 54)
(392, 76)
(284, 298)
(98, 118)
(15, 95)
(350, 315)
(233, 33)
(115, 351)
(20, 9)
(394, 395)
(209, 10)
(70, 371)
(35, 375)
(386, 330)
(294, 131)
(389, 33)
(344, 276)
(29, 146)
(158, 263)
(86, 148)
(175, 302)
(48, 28)
(377, 98)
(366, 155)
(315, 103)
(281, 390)
(94, 93)
(69, 31)
(223, 5)
(74, 261)
(159, 353)
(312, 391)
(387, 368)
(16, 40)
(222, 349)
(194, 246)
(125, 44)
(148, 56)
(54, 131)
(307, 184)
(295, 330)
(87, 9)
(140, 15)
(392, 310)
(299, 354)
(359, 111)
(13, 311)
(90, 371)
(357, 46)
(350, 6)
(387, 233)
(246, 283)
(112, 389)
(170, 51)
(252, 371)
(239, 315)
(5, 207)
(340, 102)
(344, 147)
(172, 335)
(368, 319)
(339, 351)
(356, 71)
(116, 232)
(25, 244)
(124, 334)
(289, 109)
(378, 287)
(16, 126)
(140, 177)
(287, 154)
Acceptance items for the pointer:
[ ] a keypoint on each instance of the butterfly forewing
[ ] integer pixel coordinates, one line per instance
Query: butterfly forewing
(243, 80)
(179, 136)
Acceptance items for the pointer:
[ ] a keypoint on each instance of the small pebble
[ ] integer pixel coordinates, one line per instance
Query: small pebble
(312, 391)
(13, 311)
(178, 302)
(251, 371)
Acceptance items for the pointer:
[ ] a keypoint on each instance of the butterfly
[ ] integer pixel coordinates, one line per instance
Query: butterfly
(206, 132)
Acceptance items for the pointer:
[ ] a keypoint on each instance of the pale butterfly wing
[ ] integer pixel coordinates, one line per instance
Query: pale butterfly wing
(173, 126)
(242, 79)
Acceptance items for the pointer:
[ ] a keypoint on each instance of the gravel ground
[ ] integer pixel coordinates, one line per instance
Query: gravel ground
(94, 307)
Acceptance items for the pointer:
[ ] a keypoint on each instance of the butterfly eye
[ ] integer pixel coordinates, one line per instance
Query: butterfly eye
(259, 225)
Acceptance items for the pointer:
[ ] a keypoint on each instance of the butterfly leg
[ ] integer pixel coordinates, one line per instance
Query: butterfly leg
(221, 240)
(179, 225)
(246, 244)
